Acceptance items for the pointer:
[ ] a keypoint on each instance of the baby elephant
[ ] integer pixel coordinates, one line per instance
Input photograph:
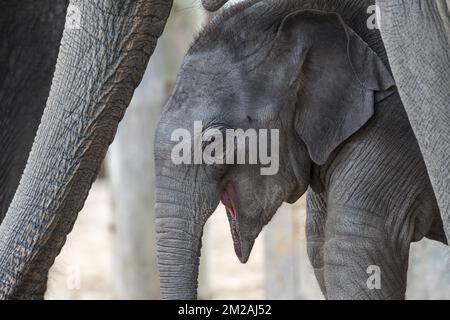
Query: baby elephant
(312, 83)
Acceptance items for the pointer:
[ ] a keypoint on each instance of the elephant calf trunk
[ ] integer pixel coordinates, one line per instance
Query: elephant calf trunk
(178, 246)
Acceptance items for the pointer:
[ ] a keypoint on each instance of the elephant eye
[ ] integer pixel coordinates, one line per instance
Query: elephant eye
(214, 144)
(208, 142)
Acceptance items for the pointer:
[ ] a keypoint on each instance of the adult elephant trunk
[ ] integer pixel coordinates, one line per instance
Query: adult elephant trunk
(186, 196)
(101, 61)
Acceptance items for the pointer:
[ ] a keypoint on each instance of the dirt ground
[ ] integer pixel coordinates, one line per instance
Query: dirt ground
(83, 270)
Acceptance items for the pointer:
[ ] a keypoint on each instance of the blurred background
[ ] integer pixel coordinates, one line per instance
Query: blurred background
(110, 253)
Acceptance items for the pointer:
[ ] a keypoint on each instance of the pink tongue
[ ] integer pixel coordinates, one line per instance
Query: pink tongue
(228, 201)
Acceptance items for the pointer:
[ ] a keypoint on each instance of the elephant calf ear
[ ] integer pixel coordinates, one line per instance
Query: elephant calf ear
(337, 75)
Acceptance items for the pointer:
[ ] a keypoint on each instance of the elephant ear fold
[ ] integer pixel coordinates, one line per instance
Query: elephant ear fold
(338, 75)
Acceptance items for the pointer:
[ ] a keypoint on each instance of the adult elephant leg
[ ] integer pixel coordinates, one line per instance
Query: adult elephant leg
(31, 33)
(99, 66)
(416, 35)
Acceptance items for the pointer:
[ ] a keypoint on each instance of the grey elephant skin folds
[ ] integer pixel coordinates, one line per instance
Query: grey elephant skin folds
(315, 72)
(275, 100)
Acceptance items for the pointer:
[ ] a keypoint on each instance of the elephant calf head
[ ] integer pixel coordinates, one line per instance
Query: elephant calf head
(295, 84)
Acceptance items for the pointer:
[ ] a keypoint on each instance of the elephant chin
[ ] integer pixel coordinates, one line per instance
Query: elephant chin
(242, 246)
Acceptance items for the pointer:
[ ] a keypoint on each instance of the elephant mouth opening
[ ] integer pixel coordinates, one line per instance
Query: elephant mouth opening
(238, 243)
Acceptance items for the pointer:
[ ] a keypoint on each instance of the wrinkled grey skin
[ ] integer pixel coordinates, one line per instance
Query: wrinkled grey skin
(314, 71)
(416, 35)
(97, 70)
(20, 113)
(417, 38)
(213, 5)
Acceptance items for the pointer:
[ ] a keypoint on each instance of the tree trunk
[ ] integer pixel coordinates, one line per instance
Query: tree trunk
(281, 264)
(429, 271)
(131, 165)
(287, 269)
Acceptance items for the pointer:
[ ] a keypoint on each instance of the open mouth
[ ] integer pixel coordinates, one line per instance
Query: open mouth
(242, 248)
(227, 200)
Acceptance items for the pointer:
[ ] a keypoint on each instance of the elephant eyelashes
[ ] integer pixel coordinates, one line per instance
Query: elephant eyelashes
(208, 143)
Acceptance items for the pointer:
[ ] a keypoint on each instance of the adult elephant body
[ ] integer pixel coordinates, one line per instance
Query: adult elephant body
(100, 63)
(416, 35)
(28, 57)
(315, 72)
